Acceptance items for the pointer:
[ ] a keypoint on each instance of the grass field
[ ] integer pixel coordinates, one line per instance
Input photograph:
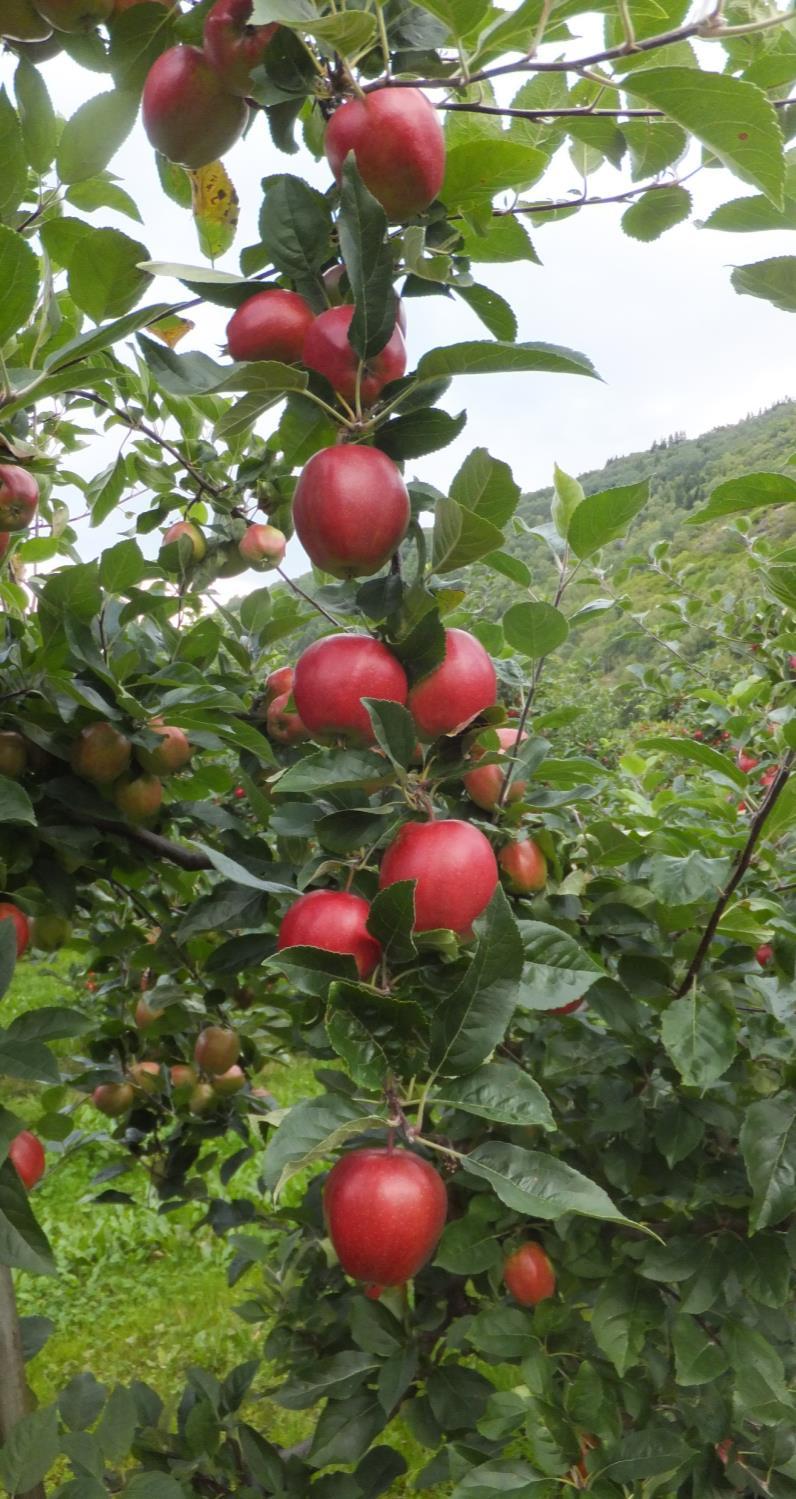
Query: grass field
(137, 1294)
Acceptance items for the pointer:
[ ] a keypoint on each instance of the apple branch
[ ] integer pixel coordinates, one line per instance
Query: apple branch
(147, 431)
(154, 843)
(740, 867)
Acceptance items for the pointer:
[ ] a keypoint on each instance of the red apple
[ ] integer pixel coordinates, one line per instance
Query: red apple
(574, 1004)
(114, 1099)
(171, 754)
(335, 921)
(351, 510)
(457, 690)
(188, 114)
(746, 762)
(282, 726)
(524, 866)
(10, 912)
(216, 1049)
(397, 140)
(147, 1015)
(194, 535)
(279, 683)
(26, 1154)
(226, 1084)
(13, 754)
(332, 677)
(262, 546)
(385, 1211)
(454, 867)
(485, 785)
(139, 798)
(529, 1274)
(764, 953)
(270, 325)
(233, 47)
(100, 753)
(328, 352)
(74, 15)
(338, 293)
(239, 793)
(183, 1076)
(50, 932)
(769, 776)
(19, 497)
(146, 1076)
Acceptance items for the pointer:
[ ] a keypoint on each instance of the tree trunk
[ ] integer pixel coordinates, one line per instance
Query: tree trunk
(13, 1384)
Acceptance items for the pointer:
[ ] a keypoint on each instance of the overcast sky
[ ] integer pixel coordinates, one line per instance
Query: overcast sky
(678, 350)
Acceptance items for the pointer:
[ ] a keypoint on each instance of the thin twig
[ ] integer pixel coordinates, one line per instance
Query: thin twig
(147, 431)
(154, 843)
(563, 581)
(308, 599)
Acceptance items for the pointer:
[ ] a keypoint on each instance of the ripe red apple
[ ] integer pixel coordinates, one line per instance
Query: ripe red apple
(114, 1099)
(262, 546)
(226, 1084)
(351, 510)
(146, 1076)
(147, 1015)
(75, 15)
(764, 953)
(171, 754)
(332, 677)
(10, 912)
(529, 1274)
(216, 1049)
(385, 1211)
(26, 1154)
(100, 753)
(233, 47)
(279, 683)
(524, 866)
(455, 691)
(13, 754)
(282, 726)
(769, 776)
(138, 798)
(183, 1076)
(19, 497)
(270, 325)
(746, 762)
(50, 931)
(328, 352)
(574, 1004)
(485, 785)
(188, 114)
(21, 22)
(335, 921)
(455, 870)
(186, 528)
(397, 139)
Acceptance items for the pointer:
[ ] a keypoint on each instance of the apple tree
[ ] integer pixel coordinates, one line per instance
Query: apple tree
(539, 1211)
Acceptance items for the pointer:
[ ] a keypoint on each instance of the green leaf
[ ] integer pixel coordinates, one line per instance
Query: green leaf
(347, 768)
(98, 192)
(601, 518)
(534, 629)
(391, 921)
(774, 280)
(567, 495)
(14, 176)
(501, 358)
(768, 1147)
(499, 1091)
(418, 433)
(503, 242)
(362, 227)
(699, 1035)
(657, 1452)
(493, 310)
(331, 1378)
(50, 1023)
(478, 169)
(468, 1245)
(733, 119)
(679, 881)
(460, 537)
(473, 1019)
(152, 1486)
(486, 486)
(751, 215)
(624, 1312)
(308, 1132)
(750, 492)
(698, 1358)
(81, 1401)
(537, 1184)
(701, 754)
(19, 278)
(122, 567)
(653, 145)
(37, 116)
(374, 1033)
(30, 1450)
(182, 374)
(104, 276)
(656, 211)
(102, 338)
(761, 1389)
(295, 227)
(503, 1476)
(15, 804)
(346, 1430)
(393, 728)
(557, 969)
(94, 134)
(23, 1244)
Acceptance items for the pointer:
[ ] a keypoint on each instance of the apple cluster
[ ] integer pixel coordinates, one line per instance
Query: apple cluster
(214, 1076)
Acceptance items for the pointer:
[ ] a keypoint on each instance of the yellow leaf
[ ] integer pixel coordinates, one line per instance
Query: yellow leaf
(215, 208)
(171, 329)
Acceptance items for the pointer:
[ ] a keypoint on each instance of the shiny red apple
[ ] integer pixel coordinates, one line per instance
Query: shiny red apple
(397, 140)
(188, 115)
(764, 954)
(232, 46)
(19, 497)
(334, 674)
(328, 352)
(529, 1275)
(351, 510)
(270, 325)
(26, 1154)
(524, 866)
(455, 870)
(385, 1211)
(335, 921)
(457, 690)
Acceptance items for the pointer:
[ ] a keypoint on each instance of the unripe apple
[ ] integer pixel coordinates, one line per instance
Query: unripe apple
(139, 798)
(233, 47)
(182, 1076)
(226, 1084)
(282, 726)
(279, 683)
(262, 546)
(397, 140)
(49, 932)
(216, 1049)
(21, 22)
(485, 785)
(457, 690)
(194, 535)
(351, 510)
(100, 753)
(455, 870)
(146, 1076)
(171, 754)
(19, 497)
(524, 866)
(188, 114)
(764, 954)
(328, 352)
(26, 1154)
(114, 1099)
(202, 1099)
(746, 762)
(10, 912)
(335, 921)
(147, 1015)
(75, 15)
(13, 754)
(529, 1275)
(270, 325)
(334, 674)
(385, 1211)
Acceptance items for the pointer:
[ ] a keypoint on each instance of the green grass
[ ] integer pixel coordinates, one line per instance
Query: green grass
(138, 1294)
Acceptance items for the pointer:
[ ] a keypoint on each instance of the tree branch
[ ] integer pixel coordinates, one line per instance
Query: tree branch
(154, 843)
(742, 863)
(147, 431)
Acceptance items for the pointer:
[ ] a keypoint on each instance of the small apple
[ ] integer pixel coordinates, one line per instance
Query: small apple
(335, 921)
(764, 954)
(262, 546)
(216, 1049)
(385, 1211)
(524, 866)
(100, 753)
(746, 762)
(529, 1275)
(173, 752)
(769, 776)
(328, 352)
(455, 870)
(147, 1015)
(334, 674)
(397, 140)
(13, 754)
(239, 793)
(202, 1099)
(233, 47)
(10, 912)
(270, 325)
(484, 786)
(192, 533)
(114, 1099)
(182, 1076)
(226, 1084)
(138, 798)
(146, 1076)
(351, 510)
(26, 1154)
(279, 683)
(21, 22)
(19, 497)
(457, 690)
(49, 932)
(188, 115)
(282, 726)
